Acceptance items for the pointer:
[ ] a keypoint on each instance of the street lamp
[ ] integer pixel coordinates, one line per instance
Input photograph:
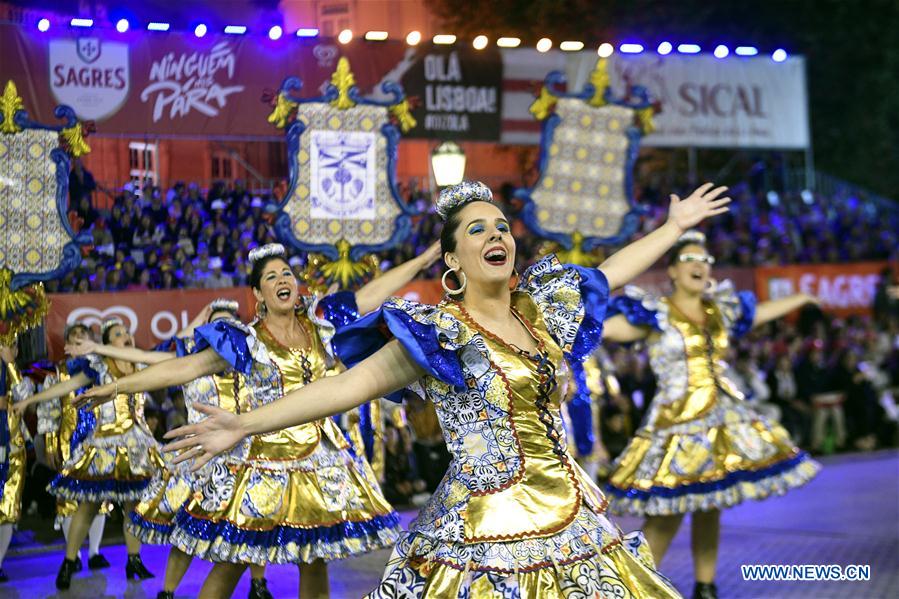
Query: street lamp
(448, 164)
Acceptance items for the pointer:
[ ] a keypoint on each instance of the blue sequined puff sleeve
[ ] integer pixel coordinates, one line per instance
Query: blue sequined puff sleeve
(573, 300)
(427, 333)
(229, 339)
(737, 308)
(339, 308)
(88, 365)
(638, 307)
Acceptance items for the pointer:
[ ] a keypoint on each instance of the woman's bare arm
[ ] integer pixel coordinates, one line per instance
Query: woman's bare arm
(372, 295)
(387, 370)
(635, 258)
(125, 354)
(159, 376)
(619, 330)
(774, 309)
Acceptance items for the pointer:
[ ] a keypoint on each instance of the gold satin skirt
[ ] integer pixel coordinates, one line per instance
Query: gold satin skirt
(11, 504)
(730, 455)
(325, 505)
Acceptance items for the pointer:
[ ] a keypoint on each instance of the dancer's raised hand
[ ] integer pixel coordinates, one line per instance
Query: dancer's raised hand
(201, 442)
(698, 206)
(95, 396)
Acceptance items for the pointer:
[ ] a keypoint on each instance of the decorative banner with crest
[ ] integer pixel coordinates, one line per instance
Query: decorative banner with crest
(343, 203)
(584, 196)
(38, 242)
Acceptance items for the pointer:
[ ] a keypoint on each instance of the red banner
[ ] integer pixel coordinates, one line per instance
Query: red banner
(843, 289)
(151, 316)
(176, 84)
(154, 316)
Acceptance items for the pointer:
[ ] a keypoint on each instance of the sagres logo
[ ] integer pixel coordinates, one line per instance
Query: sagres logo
(94, 316)
(90, 75)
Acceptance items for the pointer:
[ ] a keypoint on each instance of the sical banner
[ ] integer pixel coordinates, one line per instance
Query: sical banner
(735, 102)
(844, 289)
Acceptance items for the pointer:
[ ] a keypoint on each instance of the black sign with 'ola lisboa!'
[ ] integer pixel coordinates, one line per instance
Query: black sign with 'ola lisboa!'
(458, 91)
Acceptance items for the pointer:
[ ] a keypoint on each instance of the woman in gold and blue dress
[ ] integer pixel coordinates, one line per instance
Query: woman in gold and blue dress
(514, 515)
(115, 457)
(300, 495)
(153, 518)
(13, 436)
(57, 421)
(701, 447)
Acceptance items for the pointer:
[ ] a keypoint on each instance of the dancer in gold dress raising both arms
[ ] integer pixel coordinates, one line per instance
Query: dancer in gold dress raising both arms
(514, 515)
(701, 447)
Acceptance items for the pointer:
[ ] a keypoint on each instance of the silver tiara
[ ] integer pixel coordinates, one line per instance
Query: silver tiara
(271, 249)
(692, 236)
(109, 323)
(461, 194)
(224, 304)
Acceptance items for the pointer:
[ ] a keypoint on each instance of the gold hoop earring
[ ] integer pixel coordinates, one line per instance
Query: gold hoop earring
(261, 310)
(461, 288)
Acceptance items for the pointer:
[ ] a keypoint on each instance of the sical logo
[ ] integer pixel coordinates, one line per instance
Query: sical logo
(90, 75)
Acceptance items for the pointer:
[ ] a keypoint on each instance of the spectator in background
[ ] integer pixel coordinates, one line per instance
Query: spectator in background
(795, 414)
(821, 391)
(217, 279)
(886, 297)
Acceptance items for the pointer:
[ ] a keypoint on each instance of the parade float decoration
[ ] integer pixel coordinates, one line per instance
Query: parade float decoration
(38, 243)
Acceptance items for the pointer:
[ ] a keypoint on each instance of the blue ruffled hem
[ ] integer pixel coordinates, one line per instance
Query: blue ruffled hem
(339, 308)
(634, 311)
(148, 532)
(97, 490)
(728, 481)
(364, 337)
(227, 341)
(595, 297)
(83, 364)
(580, 411)
(208, 530)
(743, 324)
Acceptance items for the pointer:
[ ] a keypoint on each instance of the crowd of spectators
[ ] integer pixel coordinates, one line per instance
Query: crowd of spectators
(185, 237)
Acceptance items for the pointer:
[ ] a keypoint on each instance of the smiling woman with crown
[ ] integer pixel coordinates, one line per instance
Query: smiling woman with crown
(514, 516)
(701, 447)
(299, 495)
